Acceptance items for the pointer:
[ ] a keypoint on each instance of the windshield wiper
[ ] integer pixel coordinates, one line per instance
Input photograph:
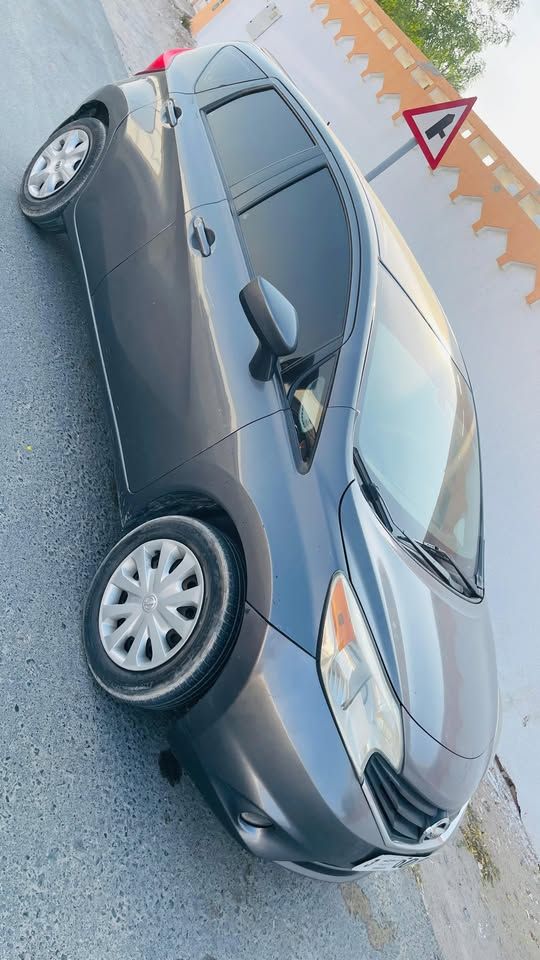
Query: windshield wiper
(374, 496)
(420, 549)
(371, 491)
(441, 554)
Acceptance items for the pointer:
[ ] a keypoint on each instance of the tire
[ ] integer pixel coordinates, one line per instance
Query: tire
(182, 678)
(47, 212)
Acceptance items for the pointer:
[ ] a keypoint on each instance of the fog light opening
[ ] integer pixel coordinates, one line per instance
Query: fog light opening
(252, 818)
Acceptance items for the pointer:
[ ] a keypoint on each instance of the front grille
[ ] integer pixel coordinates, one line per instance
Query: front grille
(405, 812)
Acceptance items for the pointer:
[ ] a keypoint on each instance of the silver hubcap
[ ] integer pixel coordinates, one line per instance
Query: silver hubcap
(58, 164)
(151, 605)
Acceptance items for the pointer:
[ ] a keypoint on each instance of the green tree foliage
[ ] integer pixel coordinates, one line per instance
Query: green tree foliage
(452, 33)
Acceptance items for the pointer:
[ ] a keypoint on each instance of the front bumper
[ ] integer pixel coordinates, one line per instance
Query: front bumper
(263, 740)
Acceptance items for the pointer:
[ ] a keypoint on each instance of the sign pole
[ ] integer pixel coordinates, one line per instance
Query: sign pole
(393, 158)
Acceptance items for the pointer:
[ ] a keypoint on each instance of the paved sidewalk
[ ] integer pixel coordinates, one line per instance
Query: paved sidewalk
(144, 29)
(483, 892)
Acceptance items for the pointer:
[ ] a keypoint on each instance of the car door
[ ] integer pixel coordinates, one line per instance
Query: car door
(298, 237)
(294, 230)
(175, 341)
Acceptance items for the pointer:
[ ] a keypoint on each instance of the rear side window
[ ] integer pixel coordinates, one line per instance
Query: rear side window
(298, 239)
(253, 131)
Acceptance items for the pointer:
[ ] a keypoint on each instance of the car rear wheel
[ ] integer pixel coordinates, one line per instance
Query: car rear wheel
(163, 612)
(59, 171)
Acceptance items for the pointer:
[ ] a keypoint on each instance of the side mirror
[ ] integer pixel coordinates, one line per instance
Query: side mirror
(274, 320)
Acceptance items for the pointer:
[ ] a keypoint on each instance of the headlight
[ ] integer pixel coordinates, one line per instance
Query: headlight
(364, 706)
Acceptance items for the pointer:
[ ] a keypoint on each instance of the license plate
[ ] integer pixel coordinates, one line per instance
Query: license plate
(386, 862)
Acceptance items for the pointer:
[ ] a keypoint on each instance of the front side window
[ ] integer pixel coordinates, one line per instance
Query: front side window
(417, 435)
(298, 239)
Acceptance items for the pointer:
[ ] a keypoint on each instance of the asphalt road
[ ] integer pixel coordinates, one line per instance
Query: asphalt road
(100, 856)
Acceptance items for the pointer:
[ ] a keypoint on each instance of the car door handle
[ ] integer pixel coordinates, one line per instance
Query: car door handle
(170, 113)
(204, 237)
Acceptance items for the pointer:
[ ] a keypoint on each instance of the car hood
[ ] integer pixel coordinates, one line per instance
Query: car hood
(437, 647)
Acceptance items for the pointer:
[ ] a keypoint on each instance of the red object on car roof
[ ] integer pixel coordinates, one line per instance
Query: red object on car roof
(163, 61)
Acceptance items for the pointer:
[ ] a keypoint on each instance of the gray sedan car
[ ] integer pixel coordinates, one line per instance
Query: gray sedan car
(300, 577)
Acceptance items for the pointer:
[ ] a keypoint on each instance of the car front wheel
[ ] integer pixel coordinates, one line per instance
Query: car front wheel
(163, 612)
(59, 170)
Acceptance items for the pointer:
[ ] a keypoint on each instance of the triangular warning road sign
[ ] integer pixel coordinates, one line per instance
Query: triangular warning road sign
(434, 127)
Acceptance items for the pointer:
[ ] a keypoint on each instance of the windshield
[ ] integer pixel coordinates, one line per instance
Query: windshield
(417, 435)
